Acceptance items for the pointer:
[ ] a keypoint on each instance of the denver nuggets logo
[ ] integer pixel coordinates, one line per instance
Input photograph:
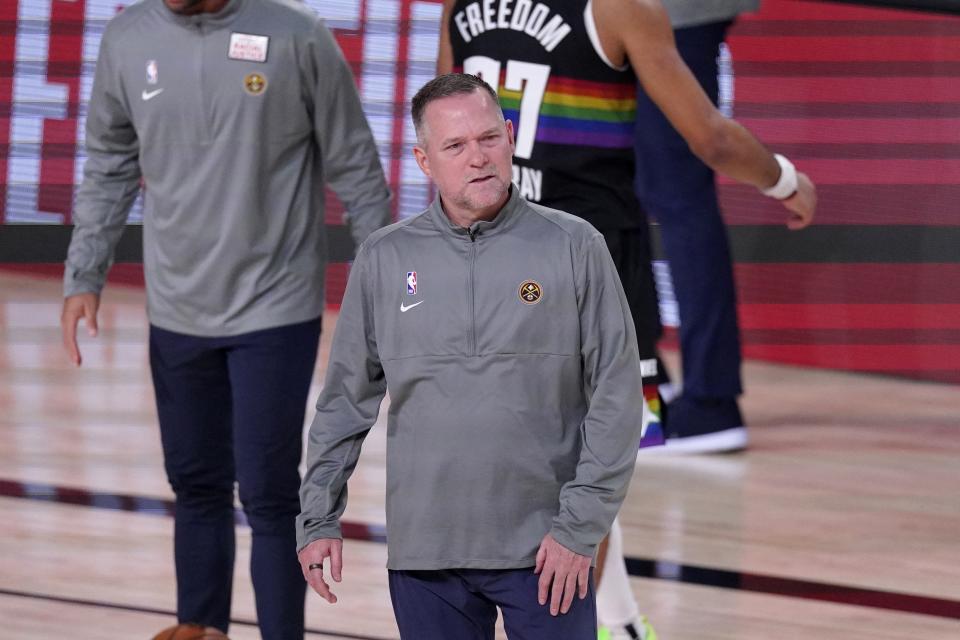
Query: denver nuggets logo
(530, 292)
(255, 83)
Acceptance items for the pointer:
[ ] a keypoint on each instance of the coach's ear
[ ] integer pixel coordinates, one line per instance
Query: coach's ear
(422, 161)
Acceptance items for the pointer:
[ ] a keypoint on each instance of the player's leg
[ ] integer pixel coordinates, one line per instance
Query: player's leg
(270, 374)
(630, 250)
(439, 605)
(193, 404)
(617, 609)
(679, 190)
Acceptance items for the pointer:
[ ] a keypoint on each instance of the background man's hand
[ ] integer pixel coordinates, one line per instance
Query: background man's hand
(802, 204)
(562, 573)
(314, 554)
(82, 305)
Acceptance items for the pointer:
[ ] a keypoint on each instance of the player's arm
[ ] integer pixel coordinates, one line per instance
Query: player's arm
(351, 164)
(640, 31)
(445, 54)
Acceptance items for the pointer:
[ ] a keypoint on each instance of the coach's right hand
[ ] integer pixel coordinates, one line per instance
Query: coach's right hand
(81, 305)
(312, 558)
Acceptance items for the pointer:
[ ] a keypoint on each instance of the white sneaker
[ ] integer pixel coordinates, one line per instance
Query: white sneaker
(637, 629)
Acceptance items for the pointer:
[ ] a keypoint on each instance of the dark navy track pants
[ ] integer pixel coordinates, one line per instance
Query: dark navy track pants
(231, 409)
(461, 604)
(679, 191)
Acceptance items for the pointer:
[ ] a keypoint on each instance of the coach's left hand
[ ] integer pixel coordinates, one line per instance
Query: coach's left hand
(312, 558)
(562, 573)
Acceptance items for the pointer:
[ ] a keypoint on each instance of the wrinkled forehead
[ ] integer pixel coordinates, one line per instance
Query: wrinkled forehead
(461, 115)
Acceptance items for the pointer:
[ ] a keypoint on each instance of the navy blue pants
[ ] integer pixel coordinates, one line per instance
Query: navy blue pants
(679, 191)
(461, 604)
(231, 410)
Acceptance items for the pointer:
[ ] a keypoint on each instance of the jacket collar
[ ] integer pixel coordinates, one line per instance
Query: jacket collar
(503, 220)
(217, 20)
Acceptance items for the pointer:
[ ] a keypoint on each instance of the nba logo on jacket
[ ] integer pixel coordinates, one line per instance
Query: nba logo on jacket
(152, 72)
(411, 283)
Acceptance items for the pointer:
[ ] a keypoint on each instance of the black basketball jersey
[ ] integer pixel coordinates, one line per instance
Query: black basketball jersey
(572, 111)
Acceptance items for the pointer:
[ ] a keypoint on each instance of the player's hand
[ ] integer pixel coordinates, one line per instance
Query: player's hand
(312, 558)
(802, 204)
(82, 305)
(562, 573)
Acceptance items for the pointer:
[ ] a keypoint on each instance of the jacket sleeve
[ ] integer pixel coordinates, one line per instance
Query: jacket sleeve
(111, 180)
(610, 431)
(346, 410)
(351, 165)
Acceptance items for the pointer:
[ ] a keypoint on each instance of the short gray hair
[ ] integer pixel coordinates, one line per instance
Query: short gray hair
(449, 84)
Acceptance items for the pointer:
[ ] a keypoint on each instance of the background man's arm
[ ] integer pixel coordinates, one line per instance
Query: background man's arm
(111, 182)
(351, 164)
(640, 31)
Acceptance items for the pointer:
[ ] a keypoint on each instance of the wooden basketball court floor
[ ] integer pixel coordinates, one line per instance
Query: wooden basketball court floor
(841, 523)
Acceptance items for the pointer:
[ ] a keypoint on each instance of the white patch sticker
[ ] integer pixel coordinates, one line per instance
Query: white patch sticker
(648, 368)
(244, 46)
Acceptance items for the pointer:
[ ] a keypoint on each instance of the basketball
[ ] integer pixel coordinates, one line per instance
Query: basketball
(190, 632)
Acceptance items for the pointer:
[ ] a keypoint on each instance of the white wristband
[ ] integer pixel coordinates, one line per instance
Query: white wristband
(787, 183)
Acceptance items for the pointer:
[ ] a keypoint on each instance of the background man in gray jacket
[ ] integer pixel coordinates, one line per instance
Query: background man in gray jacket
(504, 337)
(233, 114)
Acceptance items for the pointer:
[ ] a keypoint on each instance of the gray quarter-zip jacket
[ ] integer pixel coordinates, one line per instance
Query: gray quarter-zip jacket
(234, 121)
(511, 361)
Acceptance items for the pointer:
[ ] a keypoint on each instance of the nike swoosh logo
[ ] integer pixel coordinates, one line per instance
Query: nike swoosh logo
(404, 308)
(147, 95)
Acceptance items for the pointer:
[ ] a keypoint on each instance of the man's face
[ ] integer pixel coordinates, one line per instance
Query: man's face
(467, 151)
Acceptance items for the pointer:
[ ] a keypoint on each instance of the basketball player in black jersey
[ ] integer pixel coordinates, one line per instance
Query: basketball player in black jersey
(565, 71)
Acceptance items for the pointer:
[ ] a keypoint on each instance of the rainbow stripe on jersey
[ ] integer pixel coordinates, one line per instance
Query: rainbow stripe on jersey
(580, 112)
